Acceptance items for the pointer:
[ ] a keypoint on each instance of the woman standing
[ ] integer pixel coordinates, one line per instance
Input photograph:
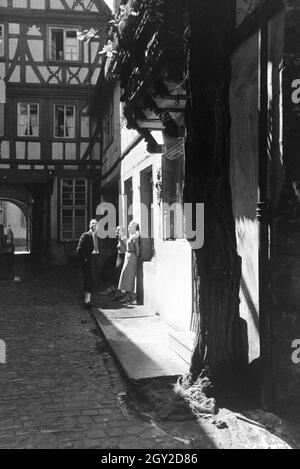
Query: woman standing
(121, 249)
(129, 269)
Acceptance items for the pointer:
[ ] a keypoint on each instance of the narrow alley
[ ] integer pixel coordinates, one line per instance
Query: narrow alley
(60, 387)
(149, 225)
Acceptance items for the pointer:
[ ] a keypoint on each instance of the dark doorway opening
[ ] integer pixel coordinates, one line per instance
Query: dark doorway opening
(146, 190)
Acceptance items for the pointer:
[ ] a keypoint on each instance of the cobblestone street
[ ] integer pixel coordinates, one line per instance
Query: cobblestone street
(60, 387)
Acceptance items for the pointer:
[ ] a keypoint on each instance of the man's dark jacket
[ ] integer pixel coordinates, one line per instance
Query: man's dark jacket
(86, 245)
(89, 261)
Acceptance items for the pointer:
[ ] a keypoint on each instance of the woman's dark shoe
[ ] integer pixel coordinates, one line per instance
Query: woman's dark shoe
(132, 298)
(89, 305)
(117, 295)
(106, 292)
(126, 298)
(112, 292)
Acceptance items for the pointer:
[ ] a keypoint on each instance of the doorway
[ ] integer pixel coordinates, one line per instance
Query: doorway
(128, 192)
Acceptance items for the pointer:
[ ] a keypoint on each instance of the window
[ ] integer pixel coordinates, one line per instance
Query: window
(1, 40)
(28, 120)
(1, 119)
(64, 44)
(147, 221)
(64, 121)
(73, 208)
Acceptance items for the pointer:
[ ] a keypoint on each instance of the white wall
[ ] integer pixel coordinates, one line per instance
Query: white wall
(167, 278)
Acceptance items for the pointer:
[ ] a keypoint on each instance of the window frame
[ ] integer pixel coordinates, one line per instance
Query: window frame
(64, 29)
(28, 104)
(74, 121)
(72, 207)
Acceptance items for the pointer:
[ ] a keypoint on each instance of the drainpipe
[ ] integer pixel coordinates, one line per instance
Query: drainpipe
(100, 121)
(90, 95)
(99, 176)
(91, 181)
(263, 215)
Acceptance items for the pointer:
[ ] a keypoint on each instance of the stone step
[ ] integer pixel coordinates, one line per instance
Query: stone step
(182, 343)
(139, 340)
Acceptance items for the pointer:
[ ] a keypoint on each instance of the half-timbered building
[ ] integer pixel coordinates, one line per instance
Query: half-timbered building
(50, 148)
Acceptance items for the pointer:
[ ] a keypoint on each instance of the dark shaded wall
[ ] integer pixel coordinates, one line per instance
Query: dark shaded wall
(244, 162)
(286, 229)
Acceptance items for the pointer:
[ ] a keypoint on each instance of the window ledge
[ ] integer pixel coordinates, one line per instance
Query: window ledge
(26, 138)
(68, 242)
(72, 139)
(74, 63)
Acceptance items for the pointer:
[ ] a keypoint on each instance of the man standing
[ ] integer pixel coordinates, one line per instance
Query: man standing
(88, 251)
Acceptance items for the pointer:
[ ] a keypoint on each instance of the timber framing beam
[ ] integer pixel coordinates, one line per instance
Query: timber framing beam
(68, 16)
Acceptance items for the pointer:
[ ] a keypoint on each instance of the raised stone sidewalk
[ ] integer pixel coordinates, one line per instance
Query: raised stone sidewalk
(139, 341)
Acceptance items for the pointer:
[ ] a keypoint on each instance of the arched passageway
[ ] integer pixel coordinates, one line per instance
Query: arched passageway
(29, 199)
(16, 215)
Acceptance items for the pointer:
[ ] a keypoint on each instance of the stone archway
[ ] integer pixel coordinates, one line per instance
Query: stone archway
(19, 194)
(32, 191)
(16, 216)
(19, 197)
